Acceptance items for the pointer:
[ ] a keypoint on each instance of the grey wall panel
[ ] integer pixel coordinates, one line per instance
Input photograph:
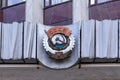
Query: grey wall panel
(107, 39)
(11, 41)
(88, 32)
(29, 40)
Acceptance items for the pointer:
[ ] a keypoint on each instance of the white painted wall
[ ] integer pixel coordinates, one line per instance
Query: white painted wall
(88, 41)
(107, 39)
(34, 11)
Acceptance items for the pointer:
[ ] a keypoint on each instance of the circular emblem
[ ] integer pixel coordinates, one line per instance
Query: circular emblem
(59, 42)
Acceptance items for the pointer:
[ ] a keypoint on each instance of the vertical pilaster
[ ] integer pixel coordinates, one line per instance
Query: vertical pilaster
(80, 10)
(34, 11)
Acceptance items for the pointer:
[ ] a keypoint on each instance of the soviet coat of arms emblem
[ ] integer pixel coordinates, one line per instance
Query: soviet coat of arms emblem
(59, 42)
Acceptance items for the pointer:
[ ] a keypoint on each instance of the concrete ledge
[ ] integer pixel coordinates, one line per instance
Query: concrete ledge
(19, 65)
(82, 65)
(101, 65)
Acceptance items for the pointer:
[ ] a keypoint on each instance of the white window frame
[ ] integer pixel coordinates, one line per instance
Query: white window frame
(5, 3)
(48, 3)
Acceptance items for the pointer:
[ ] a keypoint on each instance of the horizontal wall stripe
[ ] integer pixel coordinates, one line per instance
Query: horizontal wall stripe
(103, 34)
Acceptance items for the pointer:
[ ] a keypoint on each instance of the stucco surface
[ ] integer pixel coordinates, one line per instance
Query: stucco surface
(101, 73)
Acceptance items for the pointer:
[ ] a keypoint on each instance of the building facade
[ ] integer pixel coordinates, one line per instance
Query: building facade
(44, 11)
(58, 12)
(104, 9)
